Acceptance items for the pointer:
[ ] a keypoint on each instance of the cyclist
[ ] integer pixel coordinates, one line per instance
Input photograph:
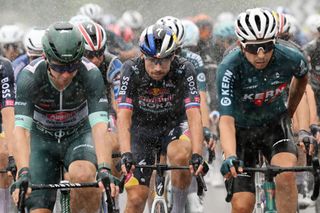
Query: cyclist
(116, 45)
(153, 90)
(7, 116)
(62, 105)
(33, 46)
(11, 41)
(251, 84)
(134, 20)
(109, 65)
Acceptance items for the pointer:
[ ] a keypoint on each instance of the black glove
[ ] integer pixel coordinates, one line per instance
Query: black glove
(105, 176)
(127, 160)
(23, 176)
(12, 167)
(305, 136)
(197, 160)
(314, 129)
(207, 134)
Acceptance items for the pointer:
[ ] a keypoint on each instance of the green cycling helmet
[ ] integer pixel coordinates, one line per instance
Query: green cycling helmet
(63, 43)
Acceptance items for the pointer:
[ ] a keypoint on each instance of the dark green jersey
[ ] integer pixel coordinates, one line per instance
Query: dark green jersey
(255, 97)
(40, 104)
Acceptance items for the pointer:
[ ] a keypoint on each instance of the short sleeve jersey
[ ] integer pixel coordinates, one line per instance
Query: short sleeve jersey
(158, 103)
(255, 97)
(40, 102)
(7, 83)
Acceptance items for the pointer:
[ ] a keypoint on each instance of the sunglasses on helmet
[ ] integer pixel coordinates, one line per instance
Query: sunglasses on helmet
(254, 47)
(91, 54)
(61, 68)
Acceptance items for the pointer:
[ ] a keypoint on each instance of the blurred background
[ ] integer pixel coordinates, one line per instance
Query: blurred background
(44, 12)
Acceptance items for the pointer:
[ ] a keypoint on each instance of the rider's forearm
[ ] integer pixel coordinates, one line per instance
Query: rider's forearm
(302, 114)
(297, 88)
(8, 126)
(227, 135)
(196, 129)
(21, 147)
(103, 147)
(204, 109)
(124, 126)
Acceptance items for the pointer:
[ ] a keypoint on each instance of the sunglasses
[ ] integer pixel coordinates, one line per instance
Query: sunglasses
(158, 60)
(253, 48)
(91, 54)
(61, 68)
(13, 45)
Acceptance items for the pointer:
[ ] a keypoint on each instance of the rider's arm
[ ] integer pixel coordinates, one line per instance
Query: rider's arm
(21, 147)
(227, 135)
(124, 123)
(302, 114)
(204, 109)
(312, 105)
(102, 146)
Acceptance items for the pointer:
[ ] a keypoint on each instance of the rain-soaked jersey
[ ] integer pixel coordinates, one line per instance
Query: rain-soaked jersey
(40, 104)
(255, 97)
(110, 70)
(197, 62)
(159, 104)
(7, 83)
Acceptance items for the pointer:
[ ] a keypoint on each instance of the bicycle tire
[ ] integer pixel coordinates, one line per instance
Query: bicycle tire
(159, 206)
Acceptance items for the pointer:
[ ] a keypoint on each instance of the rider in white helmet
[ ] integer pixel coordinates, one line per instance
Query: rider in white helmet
(93, 11)
(11, 41)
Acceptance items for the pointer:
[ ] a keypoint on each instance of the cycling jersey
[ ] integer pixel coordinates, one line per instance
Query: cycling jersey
(41, 106)
(255, 97)
(158, 104)
(19, 63)
(7, 83)
(197, 62)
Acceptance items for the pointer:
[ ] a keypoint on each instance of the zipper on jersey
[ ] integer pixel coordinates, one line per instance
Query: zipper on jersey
(60, 108)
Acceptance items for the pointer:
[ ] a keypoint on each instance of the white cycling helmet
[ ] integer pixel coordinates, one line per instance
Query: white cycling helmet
(176, 26)
(33, 42)
(93, 11)
(11, 34)
(313, 23)
(79, 19)
(94, 36)
(191, 33)
(132, 19)
(256, 24)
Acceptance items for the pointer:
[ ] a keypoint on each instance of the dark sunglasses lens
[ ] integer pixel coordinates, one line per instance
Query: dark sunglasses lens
(7, 46)
(253, 48)
(92, 54)
(65, 68)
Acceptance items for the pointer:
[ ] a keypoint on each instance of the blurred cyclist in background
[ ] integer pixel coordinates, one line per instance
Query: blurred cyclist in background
(11, 37)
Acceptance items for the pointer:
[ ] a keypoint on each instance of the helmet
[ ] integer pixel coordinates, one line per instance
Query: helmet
(191, 33)
(224, 17)
(313, 23)
(93, 11)
(78, 19)
(32, 42)
(63, 43)
(283, 23)
(224, 29)
(122, 30)
(10, 34)
(175, 25)
(256, 24)
(94, 36)
(158, 41)
(132, 19)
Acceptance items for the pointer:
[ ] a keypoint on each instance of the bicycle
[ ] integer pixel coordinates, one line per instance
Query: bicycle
(268, 187)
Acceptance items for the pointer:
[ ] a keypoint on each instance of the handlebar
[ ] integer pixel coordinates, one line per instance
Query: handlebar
(272, 171)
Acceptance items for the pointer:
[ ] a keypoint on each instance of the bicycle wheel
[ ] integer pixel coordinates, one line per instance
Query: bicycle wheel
(159, 206)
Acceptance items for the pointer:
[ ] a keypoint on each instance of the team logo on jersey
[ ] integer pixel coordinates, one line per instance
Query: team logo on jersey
(201, 77)
(303, 66)
(158, 91)
(61, 116)
(225, 101)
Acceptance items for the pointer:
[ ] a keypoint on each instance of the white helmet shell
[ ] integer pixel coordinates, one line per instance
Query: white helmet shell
(33, 42)
(313, 23)
(93, 11)
(256, 24)
(132, 19)
(175, 25)
(191, 33)
(11, 34)
(79, 19)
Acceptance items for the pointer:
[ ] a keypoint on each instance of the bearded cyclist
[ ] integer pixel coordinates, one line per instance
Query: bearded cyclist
(61, 103)
(154, 87)
(251, 85)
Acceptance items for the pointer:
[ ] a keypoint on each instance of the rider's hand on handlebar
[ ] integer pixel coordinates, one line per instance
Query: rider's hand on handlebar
(127, 163)
(105, 178)
(198, 165)
(315, 130)
(306, 138)
(23, 175)
(12, 168)
(228, 169)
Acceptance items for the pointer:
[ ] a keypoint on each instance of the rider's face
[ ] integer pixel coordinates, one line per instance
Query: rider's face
(10, 51)
(157, 68)
(59, 78)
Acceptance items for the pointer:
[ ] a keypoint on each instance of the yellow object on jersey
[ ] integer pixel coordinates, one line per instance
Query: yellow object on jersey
(131, 181)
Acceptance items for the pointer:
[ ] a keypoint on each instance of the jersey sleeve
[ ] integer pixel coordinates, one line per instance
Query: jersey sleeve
(7, 84)
(125, 93)
(301, 67)
(201, 78)
(226, 90)
(113, 75)
(97, 100)
(191, 94)
(24, 106)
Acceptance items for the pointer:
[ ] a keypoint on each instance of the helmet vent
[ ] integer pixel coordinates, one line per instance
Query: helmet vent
(63, 26)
